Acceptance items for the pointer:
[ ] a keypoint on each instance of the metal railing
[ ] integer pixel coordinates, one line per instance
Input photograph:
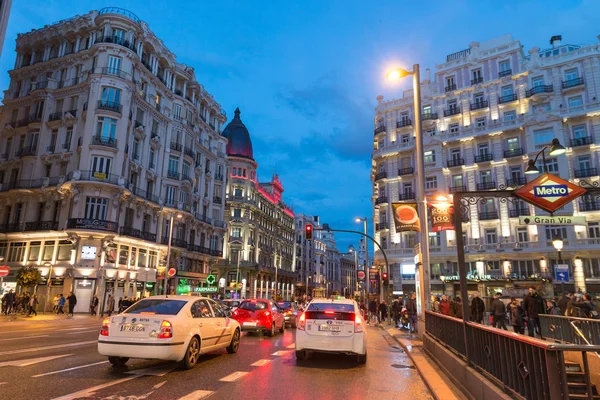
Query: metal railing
(513, 152)
(407, 196)
(514, 182)
(507, 72)
(507, 98)
(110, 106)
(586, 172)
(479, 104)
(136, 233)
(477, 80)
(483, 157)
(562, 329)
(451, 111)
(526, 367)
(104, 141)
(115, 40)
(539, 89)
(406, 171)
(455, 162)
(575, 142)
(572, 83)
(380, 129)
(429, 116)
(117, 10)
(381, 175)
(518, 212)
(403, 123)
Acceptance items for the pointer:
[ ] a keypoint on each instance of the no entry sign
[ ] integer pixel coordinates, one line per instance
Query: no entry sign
(4, 270)
(171, 273)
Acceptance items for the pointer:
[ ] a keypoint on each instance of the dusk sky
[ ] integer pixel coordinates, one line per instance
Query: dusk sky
(305, 74)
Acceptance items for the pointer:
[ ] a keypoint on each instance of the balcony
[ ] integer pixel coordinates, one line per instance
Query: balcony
(478, 105)
(380, 129)
(115, 40)
(429, 116)
(403, 123)
(381, 175)
(104, 141)
(520, 181)
(519, 212)
(219, 224)
(586, 172)
(451, 111)
(219, 177)
(34, 118)
(27, 151)
(21, 122)
(406, 171)
(41, 226)
(509, 98)
(51, 148)
(66, 147)
(584, 141)
(455, 162)
(138, 124)
(486, 185)
(539, 89)
(381, 200)
(39, 85)
(458, 188)
(450, 88)
(217, 200)
(144, 194)
(406, 196)
(484, 157)
(98, 176)
(487, 215)
(55, 116)
(112, 106)
(513, 152)
(175, 242)
(476, 81)
(381, 226)
(505, 73)
(589, 205)
(189, 152)
(136, 233)
(572, 83)
(92, 224)
(72, 112)
(173, 175)
(176, 146)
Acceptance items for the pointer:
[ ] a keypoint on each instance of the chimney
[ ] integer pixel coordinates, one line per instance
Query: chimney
(555, 41)
(428, 75)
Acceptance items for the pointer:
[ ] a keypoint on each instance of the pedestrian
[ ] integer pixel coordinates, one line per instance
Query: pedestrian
(25, 303)
(33, 302)
(552, 308)
(72, 299)
(445, 305)
(411, 310)
(587, 307)
(55, 304)
(563, 303)
(499, 312)
(396, 310)
(372, 310)
(477, 309)
(61, 304)
(435, 304)
(110, 305)
(516, 316)
(534, 306)
(458, 308)
(9, 298)
(94, 305)
(382, 311)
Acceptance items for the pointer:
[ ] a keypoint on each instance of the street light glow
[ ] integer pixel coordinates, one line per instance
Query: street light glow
(397, 73)
(357, 219)
(557, 149)
(179, 216)
(557, 243)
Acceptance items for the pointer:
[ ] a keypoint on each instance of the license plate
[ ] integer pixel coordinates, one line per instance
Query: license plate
(132, 328)
(250, 323)
(329, 328)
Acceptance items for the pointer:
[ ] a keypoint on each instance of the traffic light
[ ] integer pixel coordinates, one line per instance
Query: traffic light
(308, 231)
(384, 278)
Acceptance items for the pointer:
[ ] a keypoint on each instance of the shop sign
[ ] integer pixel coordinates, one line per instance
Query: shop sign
(559, 220)
(149, 285)
(94, 224)
(406, 217)
(172, 272)
(442, 215)
(549, 192)
(83, 284)
(210, 279)
(99, 175)
(373, 275)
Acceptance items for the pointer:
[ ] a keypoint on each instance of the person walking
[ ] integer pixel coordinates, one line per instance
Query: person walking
(477, 309)
(396, 310)
(563, 303)
(372, 310)
(411, 310)
(33, 303)
(9, 298)
(72, 299)
(94, 305)
(55, 304)
(516, 316)
(435, 304)
(382, 312)
(61, 304)
(458, 308)
(445, 305)
(498, 312)
(110, 305)
(587, 307)
(534, 306)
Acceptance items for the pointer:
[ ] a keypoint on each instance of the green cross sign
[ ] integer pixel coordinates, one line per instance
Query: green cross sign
(210, 279)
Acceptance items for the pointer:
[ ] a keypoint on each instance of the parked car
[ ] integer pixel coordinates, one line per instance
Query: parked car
(232, 304)
(260, 315)
(290, 312)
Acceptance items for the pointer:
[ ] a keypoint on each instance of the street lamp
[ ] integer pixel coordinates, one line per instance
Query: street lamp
(556, 149)
(356, 267)
(179, 216)
(398, 73)
(237, 274)
(558, 244)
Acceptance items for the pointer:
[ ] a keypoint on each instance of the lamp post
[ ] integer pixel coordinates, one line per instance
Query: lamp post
(356, 288)
(49, 284)
(364, 220)
(556, 149)
(179, 216)
(558, 244)
(421, 200)
(240, 252)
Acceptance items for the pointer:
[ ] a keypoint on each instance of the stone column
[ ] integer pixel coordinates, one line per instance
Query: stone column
(184, 87)
(579, 276)
(46, 53)
(77, 44)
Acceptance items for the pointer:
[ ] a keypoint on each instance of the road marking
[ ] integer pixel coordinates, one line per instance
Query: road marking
(281, 353)
(160, 370)
(233, 377)
(197, 395)
(291, 346)
(58, 346)
(260, 363)
(30, 361)
(24, 337)
(80, 332)
(69, 369)
(90, 391)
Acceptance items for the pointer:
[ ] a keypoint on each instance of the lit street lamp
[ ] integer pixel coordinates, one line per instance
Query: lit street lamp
(179, 216)
(556, 149)
(558, 244)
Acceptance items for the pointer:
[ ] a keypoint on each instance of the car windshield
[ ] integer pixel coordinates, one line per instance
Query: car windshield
(253, 306)
(285, 304)
(156, 306)
(336, 307)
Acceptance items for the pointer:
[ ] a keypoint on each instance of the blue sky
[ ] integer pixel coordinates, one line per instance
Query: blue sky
(305, 74)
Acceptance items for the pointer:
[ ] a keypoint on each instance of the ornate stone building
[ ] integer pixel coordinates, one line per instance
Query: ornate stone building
(105, 139)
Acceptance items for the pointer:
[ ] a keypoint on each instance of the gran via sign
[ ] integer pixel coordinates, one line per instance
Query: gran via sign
(559, 220)
(549, 192)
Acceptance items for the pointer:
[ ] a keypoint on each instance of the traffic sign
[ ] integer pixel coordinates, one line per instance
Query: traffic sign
(561, 220)
(171, 273)
(278, 291)
(562, 272)
(549, 192)
(4, 270)
(210, 279)
(362, 275)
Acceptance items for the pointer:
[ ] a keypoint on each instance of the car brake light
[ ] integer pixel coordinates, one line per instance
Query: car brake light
(288, 312)
(358, 328)
(266, 313)
(301, 322)
(166, 330)
(104, 329)
(329, 312)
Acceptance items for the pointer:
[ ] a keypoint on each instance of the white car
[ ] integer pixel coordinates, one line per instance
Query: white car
(332, 326)
(177, 328)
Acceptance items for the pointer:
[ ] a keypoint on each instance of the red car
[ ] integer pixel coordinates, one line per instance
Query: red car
(260, 315)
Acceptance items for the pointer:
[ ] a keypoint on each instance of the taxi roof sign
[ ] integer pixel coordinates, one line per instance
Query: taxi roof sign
(549, 192)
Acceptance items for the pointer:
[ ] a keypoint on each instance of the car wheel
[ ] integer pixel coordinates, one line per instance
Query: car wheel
(118, 361)
(192, 353)
(300, 354)
(362, 358)
(235, 342)
(271, 332)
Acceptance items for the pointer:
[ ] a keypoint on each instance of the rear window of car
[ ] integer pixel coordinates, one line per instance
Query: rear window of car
(335, 307)
(156, 306)
(232, 303)
(253, 306)
(285, 304)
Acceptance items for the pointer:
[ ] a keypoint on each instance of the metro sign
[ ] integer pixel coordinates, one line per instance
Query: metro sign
(549, 192)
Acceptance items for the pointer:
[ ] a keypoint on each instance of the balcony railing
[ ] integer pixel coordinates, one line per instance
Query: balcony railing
(572, 83)
(55, 116)
(51, 148)
(189, 152)
(382, 225)
(381, 200)
(406, 171)
(381, 175)
(104, 141)
(478, 105)
(507, 72)
(487, 215)
(450, 88)
(173, 175)
(115, 40)
(514, 182)
(403, 123)
(175, 242)
(98, 176)
(219, 178)
(136, 233)
(513, 153)
(219, 224)
(484, 157)
(35, 117)
(110, 106)
(539, 89)
(475, 81)
(176, 146)
(41, 226)
(429, 116)
(589, 205)
(518, 212)
(144, 194)
(217, 200)
(380, 129)
(583, 141)
(458, 188)
(451, 111)
(486, 185)
(586, 172)
(27, 151)
(406, 196)
(455, 162)
(508, 98)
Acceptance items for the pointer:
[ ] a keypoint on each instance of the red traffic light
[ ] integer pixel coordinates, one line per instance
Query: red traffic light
(384, 275)
(308, 231)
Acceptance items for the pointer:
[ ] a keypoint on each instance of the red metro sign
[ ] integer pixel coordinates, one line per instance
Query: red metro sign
(549, 192)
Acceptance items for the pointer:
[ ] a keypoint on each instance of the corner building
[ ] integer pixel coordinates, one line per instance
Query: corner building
(489, 109)
(105, 137)
(259, 251)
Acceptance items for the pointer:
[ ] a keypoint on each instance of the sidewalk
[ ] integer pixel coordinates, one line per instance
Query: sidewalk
(41, 317)
(437, 382)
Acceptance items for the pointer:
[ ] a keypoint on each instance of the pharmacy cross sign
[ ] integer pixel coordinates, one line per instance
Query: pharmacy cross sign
(549, 192)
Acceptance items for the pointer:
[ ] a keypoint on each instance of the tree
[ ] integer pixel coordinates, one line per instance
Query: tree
(28, 276)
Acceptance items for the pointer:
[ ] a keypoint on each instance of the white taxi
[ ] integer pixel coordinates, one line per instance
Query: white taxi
(177, 328)
(332, 326)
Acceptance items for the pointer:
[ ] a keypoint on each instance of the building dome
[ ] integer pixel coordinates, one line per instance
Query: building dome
(239, 143)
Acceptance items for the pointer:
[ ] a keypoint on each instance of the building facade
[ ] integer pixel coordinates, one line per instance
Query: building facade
(5, 6)
(348, 270)
(259, 252)
(105, 140)
(487, 111)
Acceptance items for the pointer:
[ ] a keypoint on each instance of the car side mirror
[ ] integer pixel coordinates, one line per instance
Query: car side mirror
(228, 313)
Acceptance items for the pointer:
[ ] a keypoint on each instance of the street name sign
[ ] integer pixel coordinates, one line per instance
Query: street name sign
(549, 192)
(562, 272)
(559, 220)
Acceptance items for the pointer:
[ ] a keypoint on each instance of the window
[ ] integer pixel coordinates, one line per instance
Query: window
(455, 154)
(177, 112)
(477, 76)
(429, 156)
(457, 180)
(593, 230)
(543, 137)
(454, 128)
(100, 168)
(237, 212)
(236, 232)
(504, 66)
(114, 65)
(118, 35)
(106, 128)
(173, 165)
(405, 139)
(485, 176)
(34, 251)
(491, 236)
(480, 122)
(537, 81)
(435, 238)
(571, 74)
(64, 250)
(16, 251)
(522, 235)
(478, 98)
(404, 118)
(69, 136)
(551, 165)
(170, 195)
(450, 81)
(510, 116)
(507, 90)
(579, 132)
(575, 101)
(512, 144)
(431, 182)
(584, 162)
(408, 189)
(555, 231)
(95, 208)
(110, 96)
(515, 173)
(483, 149)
